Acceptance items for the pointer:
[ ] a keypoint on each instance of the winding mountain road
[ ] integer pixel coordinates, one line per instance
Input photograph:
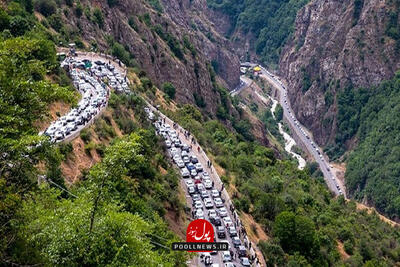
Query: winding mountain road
(299, 130)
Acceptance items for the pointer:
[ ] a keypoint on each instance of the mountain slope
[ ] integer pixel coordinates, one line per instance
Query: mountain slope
(172, 41)
(338, 44)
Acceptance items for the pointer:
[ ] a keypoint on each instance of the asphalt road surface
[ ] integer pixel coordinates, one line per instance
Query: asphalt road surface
(297, 128)
(202, 157)
(305, 138)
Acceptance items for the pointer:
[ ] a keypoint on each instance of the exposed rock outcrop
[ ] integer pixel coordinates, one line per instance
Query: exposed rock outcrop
(336, 44)
(186, 22)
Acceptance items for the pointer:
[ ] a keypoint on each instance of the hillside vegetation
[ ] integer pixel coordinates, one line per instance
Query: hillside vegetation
(271, 22)
(299, 213)
(114, 216)
(373, 168)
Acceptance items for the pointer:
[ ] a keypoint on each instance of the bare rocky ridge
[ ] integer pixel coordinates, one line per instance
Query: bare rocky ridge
(333, 49)
(189, 75)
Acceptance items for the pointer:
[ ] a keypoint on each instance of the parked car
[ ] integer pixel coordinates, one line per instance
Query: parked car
(215, 193)
(208, 203)
(212, 213)
(227, 221)
(199, 167)
(232, 231)
(218, 202)
(226, 256)
(222, 212)
(191, 190)
(208, 184)
(199, 214)
(198, 204)
(245, 262)
(216, 221)
(242, 252)
(185, 173)
(236, 241)
(194, 159)
(193, 173)
(189, 182)
(221, 232)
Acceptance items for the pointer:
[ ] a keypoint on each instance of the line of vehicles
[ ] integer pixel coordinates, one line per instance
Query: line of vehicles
(298, 125)
(92, 82)
(207, 202)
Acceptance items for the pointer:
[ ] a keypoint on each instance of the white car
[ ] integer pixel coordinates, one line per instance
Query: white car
(189, 182)
(218, 202)
(58, 135)
(199, 213)
(222, 212)
(198, 204)
(198, 166)
(51, 131)
(191, 190)
(193, 173)
(70, 118)
(168, 143)
(72, 126)
(226, 256)
(173, 150)
(208, 203)
(208, 184)
(212, 213)
(185, 173)
(200, 187)
(215, 193)
(227, 221)
(180, 164)
(205, 175)
(186, 159)
(177, 158)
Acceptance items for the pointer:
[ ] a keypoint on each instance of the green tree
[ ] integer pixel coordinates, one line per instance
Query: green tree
(59, 230)
(169, 89)
(296, 233)
(279, 112)
(98, 17)
(46, 7)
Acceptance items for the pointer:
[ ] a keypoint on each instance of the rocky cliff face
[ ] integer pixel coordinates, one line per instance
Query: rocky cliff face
(336, 44)
(179, 23)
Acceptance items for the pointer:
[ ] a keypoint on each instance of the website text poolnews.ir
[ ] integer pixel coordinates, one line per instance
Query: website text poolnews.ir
(200, 246)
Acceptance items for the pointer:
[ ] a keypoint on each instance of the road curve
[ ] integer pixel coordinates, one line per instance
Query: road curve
(298, 129)
(94, 91)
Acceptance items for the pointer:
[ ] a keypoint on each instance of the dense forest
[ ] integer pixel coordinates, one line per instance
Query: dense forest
(271, 22)
(304, 223)
(372, 115)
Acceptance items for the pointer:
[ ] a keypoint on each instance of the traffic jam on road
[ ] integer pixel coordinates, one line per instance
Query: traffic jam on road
(91, 82)
(207, 201)
(303, 132)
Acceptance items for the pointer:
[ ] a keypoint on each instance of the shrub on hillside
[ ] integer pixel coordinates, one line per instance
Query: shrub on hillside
(46, 7)
(169, 89)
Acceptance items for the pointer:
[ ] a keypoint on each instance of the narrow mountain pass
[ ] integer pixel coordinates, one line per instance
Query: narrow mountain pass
(231, 219)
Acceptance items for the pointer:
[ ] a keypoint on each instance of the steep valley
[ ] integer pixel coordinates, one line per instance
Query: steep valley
(117, 193)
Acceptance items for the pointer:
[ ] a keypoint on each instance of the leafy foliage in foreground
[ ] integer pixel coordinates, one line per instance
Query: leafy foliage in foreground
(114, 220)
(296, 210)
(27, 59)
